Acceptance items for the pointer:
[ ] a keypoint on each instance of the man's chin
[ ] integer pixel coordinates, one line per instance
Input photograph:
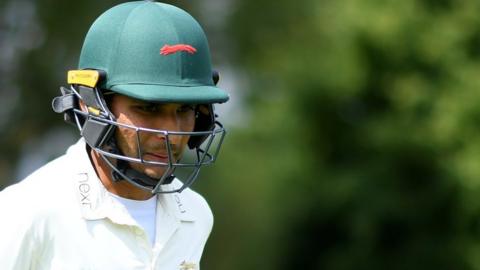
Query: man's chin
(156, 174)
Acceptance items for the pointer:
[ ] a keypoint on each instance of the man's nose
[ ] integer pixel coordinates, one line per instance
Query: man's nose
(168, 121)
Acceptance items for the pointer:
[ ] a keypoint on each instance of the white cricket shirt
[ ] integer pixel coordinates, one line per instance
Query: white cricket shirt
(62, 217)
(143, 212)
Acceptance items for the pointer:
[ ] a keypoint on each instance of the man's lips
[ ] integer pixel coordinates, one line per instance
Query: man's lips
(161, 157)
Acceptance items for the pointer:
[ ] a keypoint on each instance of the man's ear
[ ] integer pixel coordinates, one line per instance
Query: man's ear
(203, 109)
(83, 107)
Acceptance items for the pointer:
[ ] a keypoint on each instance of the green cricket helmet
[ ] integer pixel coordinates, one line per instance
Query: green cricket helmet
(153, 52)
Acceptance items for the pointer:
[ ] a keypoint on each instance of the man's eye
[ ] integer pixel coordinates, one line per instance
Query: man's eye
(150, 108)
(186, 108)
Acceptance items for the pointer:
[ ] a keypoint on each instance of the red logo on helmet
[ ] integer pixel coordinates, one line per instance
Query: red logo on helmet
(169, 49)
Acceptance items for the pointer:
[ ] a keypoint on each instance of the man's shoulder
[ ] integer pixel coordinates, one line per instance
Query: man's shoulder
(197, 200)
(57, 169)
(51, 174)
(45, 184)
(39, 179)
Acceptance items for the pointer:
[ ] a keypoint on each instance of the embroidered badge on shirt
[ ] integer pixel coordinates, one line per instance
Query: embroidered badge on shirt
(188, 266)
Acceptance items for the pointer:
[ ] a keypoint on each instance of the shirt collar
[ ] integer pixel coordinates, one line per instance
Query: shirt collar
(96, 203)
(177, 203)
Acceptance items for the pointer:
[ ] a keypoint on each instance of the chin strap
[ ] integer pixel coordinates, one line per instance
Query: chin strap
(121, 171)
(124, 170)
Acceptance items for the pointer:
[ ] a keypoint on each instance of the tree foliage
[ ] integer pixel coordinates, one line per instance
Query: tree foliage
(362, 149)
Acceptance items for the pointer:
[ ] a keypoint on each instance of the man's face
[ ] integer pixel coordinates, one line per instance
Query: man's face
(169, 117)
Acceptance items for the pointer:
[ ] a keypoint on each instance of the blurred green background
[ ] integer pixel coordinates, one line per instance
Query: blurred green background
(353, 126)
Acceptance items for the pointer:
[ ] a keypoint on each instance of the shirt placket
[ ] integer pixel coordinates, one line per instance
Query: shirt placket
(164, 232)
(107, 208)
(119, 215)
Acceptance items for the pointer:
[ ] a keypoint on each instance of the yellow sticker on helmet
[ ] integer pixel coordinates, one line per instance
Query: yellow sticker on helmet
(94, 111)
(84, 77)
